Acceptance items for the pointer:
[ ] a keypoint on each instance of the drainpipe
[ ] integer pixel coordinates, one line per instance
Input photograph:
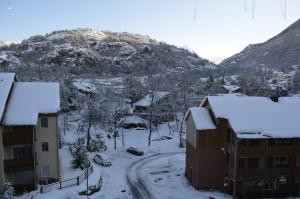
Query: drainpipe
(235, 168)
(34, 156)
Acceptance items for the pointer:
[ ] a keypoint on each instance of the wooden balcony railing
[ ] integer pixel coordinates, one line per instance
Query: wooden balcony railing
(18, 165)
(15, 138)
(270, 151)
(268, 172)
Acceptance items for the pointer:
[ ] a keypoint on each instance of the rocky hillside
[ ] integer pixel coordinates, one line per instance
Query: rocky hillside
(279, 52)
(82, 52)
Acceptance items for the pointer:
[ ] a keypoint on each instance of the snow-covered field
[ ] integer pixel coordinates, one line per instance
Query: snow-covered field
(157, 174)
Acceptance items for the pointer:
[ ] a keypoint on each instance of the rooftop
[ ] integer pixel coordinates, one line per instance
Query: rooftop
(146, 101)
(258, 117)
(29, 99)
(6, 81)
(202, 118)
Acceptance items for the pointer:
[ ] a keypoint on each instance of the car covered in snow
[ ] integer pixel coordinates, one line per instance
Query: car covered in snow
(100, 160)
(135, 151)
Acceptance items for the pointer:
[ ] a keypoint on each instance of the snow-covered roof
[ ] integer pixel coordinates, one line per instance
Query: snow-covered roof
(202, 118)
(231, 88)
(133, 120)
(28, 99)
(6, 81)
(258, 117)
(84, 86)
(146, 101)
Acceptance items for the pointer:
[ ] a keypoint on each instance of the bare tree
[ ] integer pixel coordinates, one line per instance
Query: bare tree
(116, 108)
(92, 115)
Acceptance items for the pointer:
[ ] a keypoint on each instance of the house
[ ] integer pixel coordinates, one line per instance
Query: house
(28, 132)
(245, 146)
(149, 100)
(231, 88)
(157, 104)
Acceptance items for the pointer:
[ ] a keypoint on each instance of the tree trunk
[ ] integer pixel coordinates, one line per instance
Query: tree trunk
(115, 136)
(180, 133)
(123, 138)
(150, 129)
(88, 135)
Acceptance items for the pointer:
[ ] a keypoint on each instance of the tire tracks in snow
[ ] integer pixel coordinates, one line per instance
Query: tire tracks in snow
(135, 179)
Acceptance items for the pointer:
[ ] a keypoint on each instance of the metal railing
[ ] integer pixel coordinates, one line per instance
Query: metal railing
(67, 183)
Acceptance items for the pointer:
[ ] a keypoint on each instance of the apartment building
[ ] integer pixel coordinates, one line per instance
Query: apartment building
(28, 132)
(245, 146)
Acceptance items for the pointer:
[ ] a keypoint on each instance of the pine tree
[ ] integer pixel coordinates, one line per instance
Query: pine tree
(8, 192)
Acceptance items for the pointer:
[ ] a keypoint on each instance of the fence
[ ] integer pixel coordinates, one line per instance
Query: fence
(66, 183)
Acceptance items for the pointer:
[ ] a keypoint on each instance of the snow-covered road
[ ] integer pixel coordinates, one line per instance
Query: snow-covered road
(135, 179)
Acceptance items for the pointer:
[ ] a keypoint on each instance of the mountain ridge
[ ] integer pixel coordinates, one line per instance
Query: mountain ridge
(89, 51)
(279, 52)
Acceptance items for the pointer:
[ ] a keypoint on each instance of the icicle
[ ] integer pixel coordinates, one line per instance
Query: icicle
(246, 6)
(284, 8)
(253, 8)
(195, 10)
(9, 8)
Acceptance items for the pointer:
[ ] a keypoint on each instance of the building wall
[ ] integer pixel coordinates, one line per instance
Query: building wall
(211, 161)
(191, 131)
(191, 169)
(2, 178)
(191, 152)
(205, 160)
(49, 158)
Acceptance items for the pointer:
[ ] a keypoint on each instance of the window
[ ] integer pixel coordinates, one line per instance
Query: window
(22, 151)
(285, 142)
(253, 163)
(268, 184)
(271, 142)
(45, 146)
(270, 162)
(243, 143)
(241, 163)
(44, 122)
(254, 143)
(45, 171)
(261, 163)
(298, 161)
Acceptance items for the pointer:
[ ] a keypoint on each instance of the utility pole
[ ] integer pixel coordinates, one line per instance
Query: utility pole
(87, 182)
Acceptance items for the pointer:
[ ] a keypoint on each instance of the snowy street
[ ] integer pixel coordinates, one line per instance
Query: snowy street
(135, 177)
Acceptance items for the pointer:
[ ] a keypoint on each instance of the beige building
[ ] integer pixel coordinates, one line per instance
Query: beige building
(28, 132)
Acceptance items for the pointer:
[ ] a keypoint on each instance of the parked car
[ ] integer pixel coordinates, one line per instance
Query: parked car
(163, 138)
(85, 164)
(135, 151)
(99, 160)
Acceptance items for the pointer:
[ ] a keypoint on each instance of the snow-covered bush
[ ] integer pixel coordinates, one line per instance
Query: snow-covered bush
(97, 145)
(8, 192)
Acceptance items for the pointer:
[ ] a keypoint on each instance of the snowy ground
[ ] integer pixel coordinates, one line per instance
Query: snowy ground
(157, 174)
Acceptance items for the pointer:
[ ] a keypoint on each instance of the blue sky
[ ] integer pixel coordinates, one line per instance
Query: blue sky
(222, 27)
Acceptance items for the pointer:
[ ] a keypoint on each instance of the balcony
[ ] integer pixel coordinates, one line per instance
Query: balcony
(16, 138)
(18, 165)
(270, 151)
(268, 172)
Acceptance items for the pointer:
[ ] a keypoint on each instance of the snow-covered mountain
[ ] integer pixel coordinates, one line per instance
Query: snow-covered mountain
(88, 51)
(279, 52)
